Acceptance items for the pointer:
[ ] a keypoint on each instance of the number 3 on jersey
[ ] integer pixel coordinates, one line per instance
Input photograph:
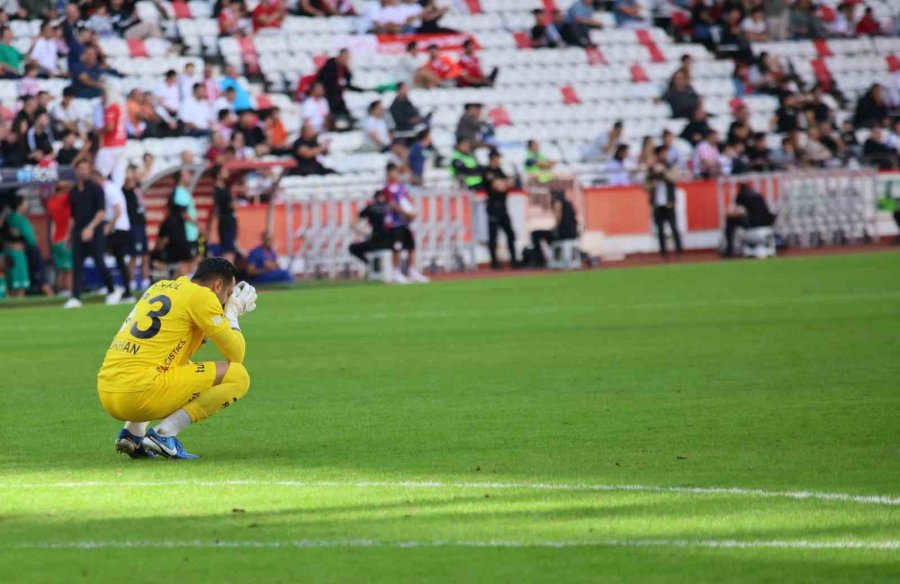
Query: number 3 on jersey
(165, 305)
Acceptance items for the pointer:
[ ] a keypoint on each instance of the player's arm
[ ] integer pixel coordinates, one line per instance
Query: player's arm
(209, 316)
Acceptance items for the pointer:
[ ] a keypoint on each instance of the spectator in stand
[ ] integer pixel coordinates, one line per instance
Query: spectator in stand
(377, 136)
(430, 17)
(148, 168)
(226, 217)
(239, 145)
(167, 94)
(418, 153)
(64, 113)
(740, 130)
(566, 227)
(316, 109)
(11, 58)
(647, 156)
(818, 109)
(129, 25)
(226, 102)
(444, 68)
(681, 97)
(388, 17)
(604, 144)
(697, 127)
(831, 140)
(195, 114)
(776, 13)
(470, 126)
(754, 26)
(814, 152)
(319, 8)
(253, 133)
(379, 238)
(544, 33)
(232, 80)
(868, 25)
(787, 117)
(232, 20)
(660, 185)
(804, 23)
(704, 28)
(44, 50)
(186, 80)
(28, 84)
(217, 146)
(628, 14)
(578, 23)
(211, 84)
(620, 169)
(308, 153)
(87, 203)
(86, 75)
(472, 75)
(405, 115)
(336, 77)
(537, 165)
(117, 229)
(843, 24)
(137, 217)
(464, 166)
(733, 40)
(497, 185)
(673, 156)
(110, 160)
(40, 139)
(750, 210)
(414, 68)
(100, 22)
(68, 153)
(60, 245)
(262, 264)
(275, 132)
(741, 79)
(877, 152)
(268, 14)
(707, 162)
(871, 109)
(14, 149)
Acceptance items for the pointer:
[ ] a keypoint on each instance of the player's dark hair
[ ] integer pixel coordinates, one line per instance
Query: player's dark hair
(211, 269)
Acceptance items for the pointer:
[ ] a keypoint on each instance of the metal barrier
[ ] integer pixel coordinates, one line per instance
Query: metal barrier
(816, 207)
(319, 224)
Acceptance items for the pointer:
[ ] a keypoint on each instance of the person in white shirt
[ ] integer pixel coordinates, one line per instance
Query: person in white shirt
(186, 80)
(117, 229)
(755, 27)
(64, 113)
(619, 168)
(315, 108)
(377, 135)
(45, 50)
(707, 161)
(225, 101)
(167, 93)
(195, 113)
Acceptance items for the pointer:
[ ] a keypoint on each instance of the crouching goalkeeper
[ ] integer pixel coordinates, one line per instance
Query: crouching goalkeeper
(147, 373)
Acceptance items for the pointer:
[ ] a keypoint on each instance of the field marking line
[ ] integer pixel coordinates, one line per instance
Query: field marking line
(572, 487)
(889, 545)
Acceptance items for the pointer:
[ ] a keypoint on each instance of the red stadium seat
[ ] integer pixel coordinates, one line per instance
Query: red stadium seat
(523, 40)
(595, 57)
(638, 74)
(822, 48)
(137, 49)
(570, 97)
(181, 10)
(499, 117)
(893, 62)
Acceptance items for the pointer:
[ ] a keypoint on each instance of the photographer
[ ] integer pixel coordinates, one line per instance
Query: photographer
(661, 187)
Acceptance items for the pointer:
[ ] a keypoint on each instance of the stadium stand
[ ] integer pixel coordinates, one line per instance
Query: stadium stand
(751, 74)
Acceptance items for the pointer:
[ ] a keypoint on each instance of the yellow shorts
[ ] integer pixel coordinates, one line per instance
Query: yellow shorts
(153, 394)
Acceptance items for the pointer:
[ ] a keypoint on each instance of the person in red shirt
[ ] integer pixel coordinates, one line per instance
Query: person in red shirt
(61, 215)
(268, 14)
(442, 65)
(470, 64)
(867, 25)
(110, 160)
(231, 18)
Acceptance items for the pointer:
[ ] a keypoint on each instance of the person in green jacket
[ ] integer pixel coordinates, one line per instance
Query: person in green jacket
(34, 268)
(464, 166)
(537, 165)
(10, 57)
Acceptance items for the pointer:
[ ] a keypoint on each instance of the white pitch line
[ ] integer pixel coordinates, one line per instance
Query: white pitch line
(889, 545)
(701, 491)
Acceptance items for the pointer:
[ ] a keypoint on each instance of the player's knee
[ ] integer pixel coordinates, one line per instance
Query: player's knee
(237, 375)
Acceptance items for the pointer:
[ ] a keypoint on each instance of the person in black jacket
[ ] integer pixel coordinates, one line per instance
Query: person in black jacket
(661, 187)
(750, 210)
(871, 109)
(336, 77)
(497, 185)
(379, 237)
(566, 227)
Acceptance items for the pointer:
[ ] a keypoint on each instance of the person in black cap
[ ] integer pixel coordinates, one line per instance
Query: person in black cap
(566, 227)
(497, 185)
(379, 238)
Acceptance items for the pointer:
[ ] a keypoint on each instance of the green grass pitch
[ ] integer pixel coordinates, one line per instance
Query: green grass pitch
(521, 429)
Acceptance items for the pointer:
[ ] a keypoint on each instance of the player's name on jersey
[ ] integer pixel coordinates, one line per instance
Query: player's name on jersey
(126, 347)
(168, 284)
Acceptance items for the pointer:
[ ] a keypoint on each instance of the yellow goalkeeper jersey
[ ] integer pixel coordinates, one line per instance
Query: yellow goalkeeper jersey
(164, 330)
